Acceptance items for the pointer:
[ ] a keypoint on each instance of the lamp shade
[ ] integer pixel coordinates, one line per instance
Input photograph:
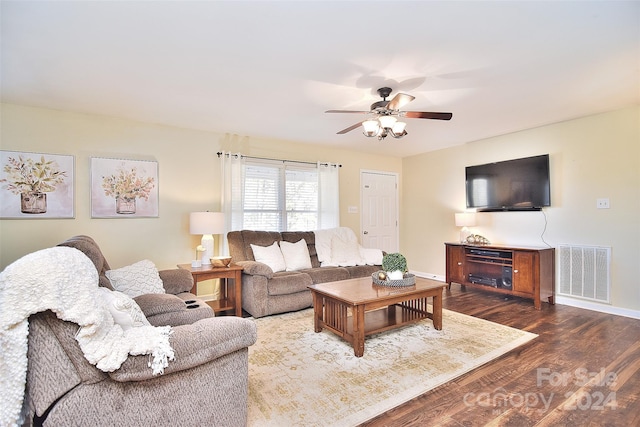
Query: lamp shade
(466, 219)
(398, 127)
(370, 127)
(387, 122)
(206, 223)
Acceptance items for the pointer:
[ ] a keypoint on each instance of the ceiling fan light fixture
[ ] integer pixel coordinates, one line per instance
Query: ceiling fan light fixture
(387, 122)
(386, 115)
(398, 129)
(371, 127)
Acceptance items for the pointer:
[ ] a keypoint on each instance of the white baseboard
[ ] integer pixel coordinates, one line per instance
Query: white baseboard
(562, 300)
(428, 275)
(588, 305)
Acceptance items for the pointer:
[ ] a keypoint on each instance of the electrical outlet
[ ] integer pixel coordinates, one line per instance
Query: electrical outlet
(602, 203)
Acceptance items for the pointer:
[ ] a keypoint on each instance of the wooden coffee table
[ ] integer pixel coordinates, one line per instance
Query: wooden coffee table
(355, 308)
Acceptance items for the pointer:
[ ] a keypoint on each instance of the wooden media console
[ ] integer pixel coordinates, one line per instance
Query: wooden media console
(527, 272)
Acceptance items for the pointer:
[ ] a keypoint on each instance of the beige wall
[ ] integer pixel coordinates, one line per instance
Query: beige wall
(590, 158)
(188, 180)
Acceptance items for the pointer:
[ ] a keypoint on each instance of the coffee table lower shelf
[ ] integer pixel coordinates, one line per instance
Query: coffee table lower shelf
(377, 321)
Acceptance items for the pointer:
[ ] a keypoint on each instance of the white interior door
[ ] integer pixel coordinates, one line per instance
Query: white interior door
(379, 199)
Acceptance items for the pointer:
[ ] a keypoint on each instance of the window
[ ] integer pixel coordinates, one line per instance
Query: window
(279, 197)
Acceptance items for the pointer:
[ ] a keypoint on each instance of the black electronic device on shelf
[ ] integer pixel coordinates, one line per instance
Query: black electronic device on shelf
(483, 280)
(506, 282)
(490, 253)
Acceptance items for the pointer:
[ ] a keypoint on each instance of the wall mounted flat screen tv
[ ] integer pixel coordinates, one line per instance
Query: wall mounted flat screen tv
(511, 185)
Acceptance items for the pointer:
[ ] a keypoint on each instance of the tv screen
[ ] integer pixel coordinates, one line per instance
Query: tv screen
(512, 185)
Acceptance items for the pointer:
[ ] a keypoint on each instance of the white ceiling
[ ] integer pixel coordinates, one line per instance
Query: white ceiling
(270, 69)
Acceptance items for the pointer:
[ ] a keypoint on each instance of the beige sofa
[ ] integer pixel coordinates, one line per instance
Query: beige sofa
(265, 292)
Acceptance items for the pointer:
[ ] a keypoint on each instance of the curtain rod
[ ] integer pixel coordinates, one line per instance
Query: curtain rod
(277, 160)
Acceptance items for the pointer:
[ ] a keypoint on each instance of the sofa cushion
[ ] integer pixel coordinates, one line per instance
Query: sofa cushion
(270, 255)
(285, 283)
(296, 255)
(327, 274)
(260, 238)
(136, 279)
(173, 310)
(176, 280)
(362, 270)
(154, 304)
(255, 268)
(90, 248)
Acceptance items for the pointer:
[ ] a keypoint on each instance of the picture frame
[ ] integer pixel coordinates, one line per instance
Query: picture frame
(36, 185)
(122, 188)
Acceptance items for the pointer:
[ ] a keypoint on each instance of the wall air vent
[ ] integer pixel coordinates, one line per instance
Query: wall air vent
(585, 272)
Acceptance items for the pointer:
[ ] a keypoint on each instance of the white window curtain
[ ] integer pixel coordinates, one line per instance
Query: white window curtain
(232, 167)
(329, 195)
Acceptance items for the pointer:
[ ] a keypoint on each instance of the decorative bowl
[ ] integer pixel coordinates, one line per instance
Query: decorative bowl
(407, 280)
(220, 261)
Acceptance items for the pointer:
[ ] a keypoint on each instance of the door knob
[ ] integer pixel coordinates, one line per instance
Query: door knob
(366, 232)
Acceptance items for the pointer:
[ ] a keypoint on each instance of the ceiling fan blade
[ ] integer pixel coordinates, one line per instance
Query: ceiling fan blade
(347, 111)
(350, 128)
(426, 115)
(400, 100)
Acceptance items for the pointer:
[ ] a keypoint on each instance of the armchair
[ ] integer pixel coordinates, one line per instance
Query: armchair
(82, 367)
(206, 384)
(160, 309)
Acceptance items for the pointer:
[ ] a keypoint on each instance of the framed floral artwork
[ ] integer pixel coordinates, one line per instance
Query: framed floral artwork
(123, 188)
(36, 185)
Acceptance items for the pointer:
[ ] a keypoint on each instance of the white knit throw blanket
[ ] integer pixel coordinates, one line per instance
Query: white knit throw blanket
(65, 281)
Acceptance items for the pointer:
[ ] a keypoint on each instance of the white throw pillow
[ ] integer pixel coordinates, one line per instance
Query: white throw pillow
(345, 253)
(136, 279)
(270, 255)
(296, 255)
(124, 309)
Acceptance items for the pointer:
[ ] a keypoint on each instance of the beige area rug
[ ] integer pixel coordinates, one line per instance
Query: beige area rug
(301, 378)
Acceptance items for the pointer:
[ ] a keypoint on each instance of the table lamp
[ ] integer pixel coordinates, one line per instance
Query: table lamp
(465, 220)
(207, 224)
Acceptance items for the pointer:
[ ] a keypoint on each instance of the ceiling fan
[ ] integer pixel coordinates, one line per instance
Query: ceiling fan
(386, 117)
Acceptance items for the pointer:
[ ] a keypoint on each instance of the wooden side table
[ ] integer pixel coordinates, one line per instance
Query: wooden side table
(231, 293)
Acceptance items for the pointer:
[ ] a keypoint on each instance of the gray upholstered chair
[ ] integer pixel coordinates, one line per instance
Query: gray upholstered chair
(206, 384)
(169, 308)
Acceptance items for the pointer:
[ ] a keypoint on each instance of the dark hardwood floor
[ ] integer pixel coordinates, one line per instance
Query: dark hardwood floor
(582, 370)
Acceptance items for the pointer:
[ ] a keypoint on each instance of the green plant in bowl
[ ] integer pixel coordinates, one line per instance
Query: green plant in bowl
(395, 265)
